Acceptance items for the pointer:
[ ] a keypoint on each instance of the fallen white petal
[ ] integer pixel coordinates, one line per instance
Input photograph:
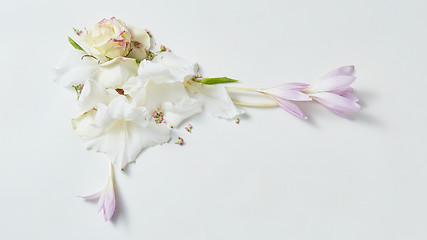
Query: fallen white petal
(74, 69)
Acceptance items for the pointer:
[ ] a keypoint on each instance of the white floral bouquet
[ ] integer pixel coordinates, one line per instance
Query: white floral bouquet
(131, 94)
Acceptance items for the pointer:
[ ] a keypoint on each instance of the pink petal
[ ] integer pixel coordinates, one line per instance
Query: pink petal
(92, 196)
(101, 202)
(345, 70)
(109, 204)
(292, 95)
(289, 91)
(332, 83)
(350, 96)
(336, 102)
(290, 108)
(294, 86)
(342, 91)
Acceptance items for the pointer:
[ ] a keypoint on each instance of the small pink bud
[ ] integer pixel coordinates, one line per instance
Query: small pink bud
(180, 141)
(188, 128)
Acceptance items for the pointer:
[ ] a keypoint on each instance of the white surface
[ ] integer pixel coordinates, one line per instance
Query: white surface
(271, 177)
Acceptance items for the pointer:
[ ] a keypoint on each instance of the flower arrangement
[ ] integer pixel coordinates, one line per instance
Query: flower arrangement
(131, 96)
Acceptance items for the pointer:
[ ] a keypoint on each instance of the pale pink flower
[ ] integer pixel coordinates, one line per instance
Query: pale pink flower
(106, 197)
(334, 92)
(286, 93)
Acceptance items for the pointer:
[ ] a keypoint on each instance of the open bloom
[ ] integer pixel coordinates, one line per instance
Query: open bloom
(106, 197)
(159, 90)
(120, 129)
(334, 92)
(285, 93)
(111, 38)
(214, 98)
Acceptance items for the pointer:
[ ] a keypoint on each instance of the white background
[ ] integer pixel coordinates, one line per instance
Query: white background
(273, 176)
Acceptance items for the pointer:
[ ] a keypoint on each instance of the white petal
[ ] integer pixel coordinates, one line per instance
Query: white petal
(90, 50)
(72, 69)
(215, 99)
(156, 94)
(179, 67)
(174, 114)
(84, 125)
(141, 42)
(114, 73)
(92, 94)
(149, 70)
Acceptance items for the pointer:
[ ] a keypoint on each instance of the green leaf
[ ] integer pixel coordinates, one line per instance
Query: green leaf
(75, 45)
(218, 80)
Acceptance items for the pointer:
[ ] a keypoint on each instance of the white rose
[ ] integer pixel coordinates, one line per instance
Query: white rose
(111, 38)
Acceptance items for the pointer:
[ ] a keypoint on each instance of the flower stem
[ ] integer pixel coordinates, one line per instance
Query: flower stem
(110, 168)
(244, 89)
(254, 104)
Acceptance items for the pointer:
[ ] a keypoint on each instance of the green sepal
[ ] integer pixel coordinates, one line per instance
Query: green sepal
(75, 45)
(218, 80)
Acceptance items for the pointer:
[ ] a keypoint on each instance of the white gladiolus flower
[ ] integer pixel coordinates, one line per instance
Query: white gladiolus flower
(159, 90)
(120, 130)
(214, 98)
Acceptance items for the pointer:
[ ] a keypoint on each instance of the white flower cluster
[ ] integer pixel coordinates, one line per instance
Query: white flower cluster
(122, 84)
